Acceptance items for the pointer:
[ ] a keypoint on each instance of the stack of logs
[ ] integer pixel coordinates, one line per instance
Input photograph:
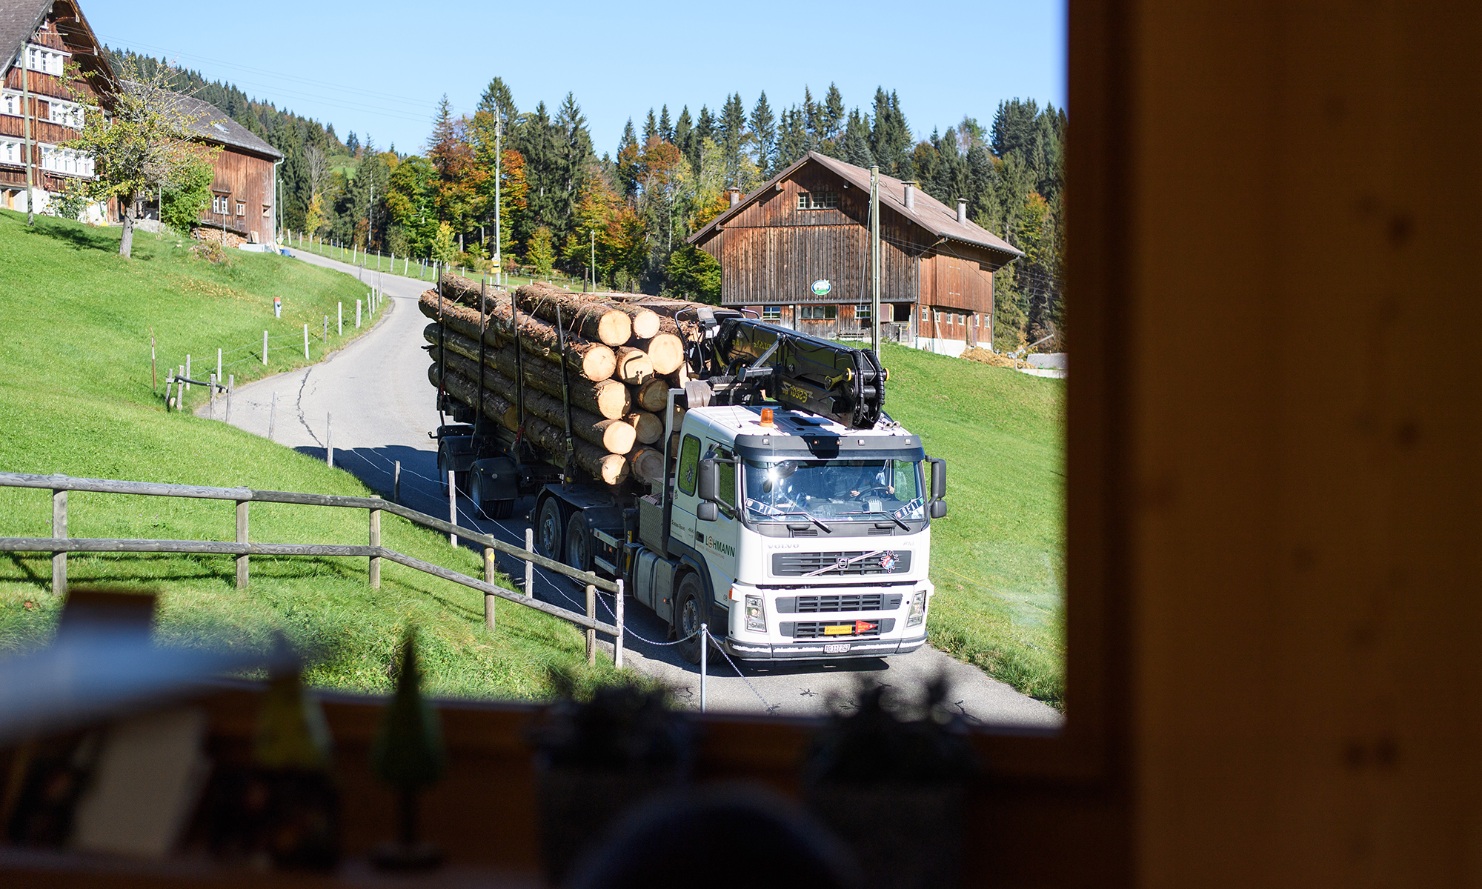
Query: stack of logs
(621, 357)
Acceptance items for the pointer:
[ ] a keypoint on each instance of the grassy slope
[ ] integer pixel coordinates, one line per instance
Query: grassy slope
(998, 558)
(76, 398)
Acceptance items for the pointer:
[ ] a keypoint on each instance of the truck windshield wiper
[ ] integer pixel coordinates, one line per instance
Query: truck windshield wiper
(810, 517)
(891, 516)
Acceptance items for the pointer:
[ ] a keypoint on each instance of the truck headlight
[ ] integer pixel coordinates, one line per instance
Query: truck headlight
(756, 618)
(918, 609)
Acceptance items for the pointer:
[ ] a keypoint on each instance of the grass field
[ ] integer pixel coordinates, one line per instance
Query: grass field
(998, 559)
(411, 268)
(77, 397)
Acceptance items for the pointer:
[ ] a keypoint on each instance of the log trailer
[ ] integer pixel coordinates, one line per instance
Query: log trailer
(794, 517)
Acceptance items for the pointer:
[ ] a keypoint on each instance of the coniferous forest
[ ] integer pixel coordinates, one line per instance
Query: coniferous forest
(565, 202)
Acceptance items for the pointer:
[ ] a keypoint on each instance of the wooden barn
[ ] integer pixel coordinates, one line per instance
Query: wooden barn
(242, 194)
(797, 251)
(39, 39)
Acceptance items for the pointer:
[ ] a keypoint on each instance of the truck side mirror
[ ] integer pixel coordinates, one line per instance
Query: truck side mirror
(706, 511)
(709, 480)
(936, 508)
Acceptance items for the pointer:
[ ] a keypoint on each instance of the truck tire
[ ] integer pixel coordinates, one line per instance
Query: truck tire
(578, 543)
(689, 613)
(460, 479)
(548, 529)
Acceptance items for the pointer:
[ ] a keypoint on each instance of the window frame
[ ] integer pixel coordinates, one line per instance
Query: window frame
(806, 312)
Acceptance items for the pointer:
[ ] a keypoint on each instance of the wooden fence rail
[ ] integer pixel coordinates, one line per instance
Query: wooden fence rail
(60, 544)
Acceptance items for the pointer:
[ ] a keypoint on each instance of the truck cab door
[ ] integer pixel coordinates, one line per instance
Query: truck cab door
(682, 516)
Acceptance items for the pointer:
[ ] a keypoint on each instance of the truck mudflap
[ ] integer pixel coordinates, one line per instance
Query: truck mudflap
(823, 650)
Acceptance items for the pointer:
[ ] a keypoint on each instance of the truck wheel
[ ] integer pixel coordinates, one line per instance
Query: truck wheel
(500, 509)
(689, 613)
(548, 529)
(578, 543)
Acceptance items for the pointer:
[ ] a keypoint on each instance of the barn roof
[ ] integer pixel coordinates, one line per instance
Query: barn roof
(929, 214)
(213, 125)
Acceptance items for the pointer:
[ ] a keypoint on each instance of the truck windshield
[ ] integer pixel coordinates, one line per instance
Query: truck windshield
(833, 490)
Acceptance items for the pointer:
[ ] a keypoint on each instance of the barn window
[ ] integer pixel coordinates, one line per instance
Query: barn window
(862, 311)
(241, 208)
(771, 313)
(818, 313)
(818, 200)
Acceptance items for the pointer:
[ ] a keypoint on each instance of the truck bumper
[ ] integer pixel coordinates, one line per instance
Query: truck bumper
(823, 651)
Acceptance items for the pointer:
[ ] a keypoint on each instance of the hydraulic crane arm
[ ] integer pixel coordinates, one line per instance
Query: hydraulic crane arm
(803, 372)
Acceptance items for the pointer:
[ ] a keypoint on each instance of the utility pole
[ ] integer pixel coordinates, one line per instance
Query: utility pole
(594, 259)
(26, 118)
(498, 172)
(875, 258)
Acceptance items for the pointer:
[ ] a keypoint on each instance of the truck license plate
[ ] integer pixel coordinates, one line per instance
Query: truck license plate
(836, 648)
(839, 630)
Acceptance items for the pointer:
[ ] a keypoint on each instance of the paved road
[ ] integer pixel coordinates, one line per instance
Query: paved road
(373, 403)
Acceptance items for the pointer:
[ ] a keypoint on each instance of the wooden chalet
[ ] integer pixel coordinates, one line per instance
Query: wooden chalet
(242, 197)
(797, 251)
(39, 39)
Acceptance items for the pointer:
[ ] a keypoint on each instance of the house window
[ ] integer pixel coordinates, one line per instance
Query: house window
(771, 313)
(10, 103)
(241, 208)
(221, 204)
(68, 114)
(818, 313)
(862, 312)
(45, 60)
(10, 151)
(818, 200)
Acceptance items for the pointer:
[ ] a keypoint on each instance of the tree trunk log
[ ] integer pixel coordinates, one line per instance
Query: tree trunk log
(591, 319)
(647, 427)
(496, 408)
(647, 465)
(593, 361)
(616, 436)
(606, 398)
(665, 352)
(633, 365)
(653, 395)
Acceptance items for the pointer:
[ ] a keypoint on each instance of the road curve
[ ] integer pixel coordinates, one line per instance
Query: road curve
(371, 401)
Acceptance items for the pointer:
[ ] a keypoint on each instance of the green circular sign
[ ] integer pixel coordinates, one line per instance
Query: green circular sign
(821, 287)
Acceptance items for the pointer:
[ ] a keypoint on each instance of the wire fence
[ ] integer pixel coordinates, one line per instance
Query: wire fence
(422, 269)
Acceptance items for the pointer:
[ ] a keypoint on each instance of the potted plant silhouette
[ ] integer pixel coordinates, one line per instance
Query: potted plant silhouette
(889, 775)
(599, 755)
(408, 754)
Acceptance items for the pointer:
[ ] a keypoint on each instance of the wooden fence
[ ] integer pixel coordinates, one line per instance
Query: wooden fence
(242, 548)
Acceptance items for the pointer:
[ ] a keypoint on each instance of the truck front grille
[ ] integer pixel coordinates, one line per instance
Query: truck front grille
(842, 629)
(839, 602)
(846, 564)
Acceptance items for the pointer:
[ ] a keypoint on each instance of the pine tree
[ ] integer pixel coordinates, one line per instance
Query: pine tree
(890, 137)
(733, 136)
(831, 115)
(650, 127)
(628, 161)
(854, 145)
(764, 131)
(666, 128)
(684, 137)
(811, 119)
(792, 139)
(499, 101)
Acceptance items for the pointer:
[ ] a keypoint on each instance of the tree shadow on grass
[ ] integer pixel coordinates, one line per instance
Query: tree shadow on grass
(79, 236)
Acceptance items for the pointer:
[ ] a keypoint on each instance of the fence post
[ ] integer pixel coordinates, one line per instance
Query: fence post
(187, 370)
(452, 508)
(375, 540)
(329, 440)
(357, 314)
(212, 386)
(529, 565)
(59, 532)
(617, 641)
(231, 385)
(396, 482)
(591, 633)
(242, 538)
(489, 579)
(218, 364)
(306, 342)
(340, 323)
(264, 348)
(704, 665)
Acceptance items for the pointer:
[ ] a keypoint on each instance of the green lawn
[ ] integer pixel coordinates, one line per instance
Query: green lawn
(998, 559)
(77, 397)
(411, 268)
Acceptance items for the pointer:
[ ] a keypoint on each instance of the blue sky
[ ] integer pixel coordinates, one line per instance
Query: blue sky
(380, 68)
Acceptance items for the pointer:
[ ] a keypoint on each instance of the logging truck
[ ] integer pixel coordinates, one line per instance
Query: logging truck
(779, 505)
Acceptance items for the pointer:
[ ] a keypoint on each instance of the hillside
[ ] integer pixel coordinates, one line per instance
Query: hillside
(76, 397)
(998, 559)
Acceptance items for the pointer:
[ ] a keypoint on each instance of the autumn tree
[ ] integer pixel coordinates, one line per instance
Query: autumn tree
(143, 144)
